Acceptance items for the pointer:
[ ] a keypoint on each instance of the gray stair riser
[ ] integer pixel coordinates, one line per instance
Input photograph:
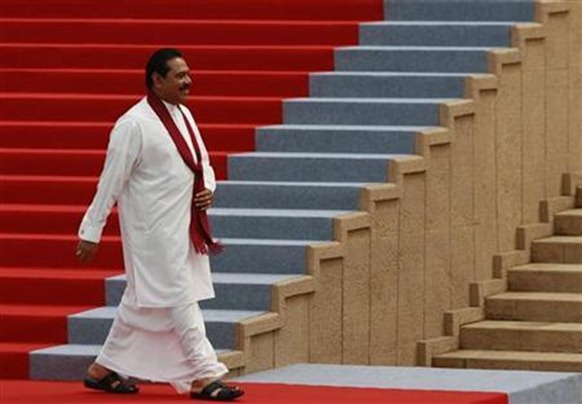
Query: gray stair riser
(93, 331)
(340, 141)
(401, 60)
(228, 296)
(435, 35)
(285, 228)
(279, 259)
(459, 10)
(307, 169)
(59, 367)
(525, 340)
(360, 113)
(281, 196)
(376, 85)
(225, 225)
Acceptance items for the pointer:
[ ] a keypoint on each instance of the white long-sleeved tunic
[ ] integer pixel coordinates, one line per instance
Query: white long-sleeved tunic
(146, 176)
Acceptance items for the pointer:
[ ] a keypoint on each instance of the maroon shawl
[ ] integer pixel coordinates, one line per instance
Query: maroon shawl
(199, 226)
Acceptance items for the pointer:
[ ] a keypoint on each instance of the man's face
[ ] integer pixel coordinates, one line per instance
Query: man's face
(175, 87)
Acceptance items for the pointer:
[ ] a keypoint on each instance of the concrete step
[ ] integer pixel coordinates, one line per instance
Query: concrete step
(91, 327)
(460, 10)
(568, 223)
(243, 291)
(535, 306)
(283, 224)
(436, 33)
(287, 195)
(522, 336)
(412, 59)
(310, 167)
(262, 256)
(70, 362)
(557, 278)
(48, 190)
(240, 255)
(363, 111)
(225, 222)
(558, 249)
(516, 360)
(337, 139)
(386, 85)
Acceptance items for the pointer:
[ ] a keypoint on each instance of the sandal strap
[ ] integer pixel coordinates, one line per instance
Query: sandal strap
(114, 379)
(212, 387)
(218, 390)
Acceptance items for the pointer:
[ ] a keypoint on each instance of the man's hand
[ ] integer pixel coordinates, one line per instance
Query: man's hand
(86, 250)
(204, 199)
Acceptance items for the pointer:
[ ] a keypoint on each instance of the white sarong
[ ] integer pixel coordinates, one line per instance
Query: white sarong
(161, 345)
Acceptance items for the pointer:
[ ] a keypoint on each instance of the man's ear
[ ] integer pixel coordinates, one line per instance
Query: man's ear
(157, 80)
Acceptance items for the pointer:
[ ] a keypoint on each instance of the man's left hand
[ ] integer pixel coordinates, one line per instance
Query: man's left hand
(204, 199)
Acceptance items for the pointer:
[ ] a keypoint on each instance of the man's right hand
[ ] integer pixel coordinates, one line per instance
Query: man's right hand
(86, 250)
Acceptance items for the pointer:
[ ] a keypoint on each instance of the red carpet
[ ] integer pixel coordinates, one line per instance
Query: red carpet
(69, 69)
(19, 392)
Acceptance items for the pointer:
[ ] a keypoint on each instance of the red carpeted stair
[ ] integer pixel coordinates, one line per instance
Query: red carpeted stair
(69, 68)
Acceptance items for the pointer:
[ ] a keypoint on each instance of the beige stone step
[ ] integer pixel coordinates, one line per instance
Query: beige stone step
(535, 306)
(477, 359)
(522, 336)
(568, 223)
(558, 249)
(544, 277)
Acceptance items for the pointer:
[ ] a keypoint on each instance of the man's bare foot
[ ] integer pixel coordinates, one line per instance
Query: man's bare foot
(97, 371)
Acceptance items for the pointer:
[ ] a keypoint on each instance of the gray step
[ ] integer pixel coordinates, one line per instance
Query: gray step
(412, 59)
(558, 249)
(459, 10)
(286, 224)
(363, 111)
(522, 336)
(91, 327)
(337, 139)
(241, 291)
(386, 85)
(310, 167)
(287, 195)
(262, 256)
(548, 277)
(436, 33)
(568, 223)
(68, 362)
(535, 306)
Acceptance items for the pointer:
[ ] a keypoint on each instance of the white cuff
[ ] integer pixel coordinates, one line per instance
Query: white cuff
(90, 233)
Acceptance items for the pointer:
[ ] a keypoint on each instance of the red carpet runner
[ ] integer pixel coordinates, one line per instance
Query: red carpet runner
(17, 392)
(68, 68)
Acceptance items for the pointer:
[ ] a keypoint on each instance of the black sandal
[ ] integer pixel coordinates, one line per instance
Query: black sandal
(218, 391)
(112, 383)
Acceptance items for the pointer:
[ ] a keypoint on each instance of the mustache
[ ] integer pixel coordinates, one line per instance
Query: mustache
(185, 87)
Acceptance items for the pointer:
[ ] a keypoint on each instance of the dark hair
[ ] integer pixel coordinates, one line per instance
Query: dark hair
(158, 63)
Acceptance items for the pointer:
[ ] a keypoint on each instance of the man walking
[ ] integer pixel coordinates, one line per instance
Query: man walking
(158, 172)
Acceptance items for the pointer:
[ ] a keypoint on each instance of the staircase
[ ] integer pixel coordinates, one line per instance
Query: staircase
(537, 323)
(68, 70)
